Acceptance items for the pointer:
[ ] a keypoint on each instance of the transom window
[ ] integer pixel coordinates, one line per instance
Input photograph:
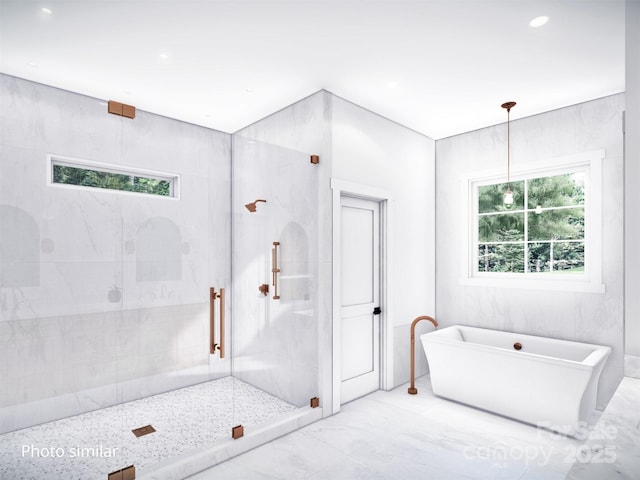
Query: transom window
(78, 173)
(551, 232)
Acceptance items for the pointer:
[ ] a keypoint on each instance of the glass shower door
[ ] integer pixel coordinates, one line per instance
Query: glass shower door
(275, 322)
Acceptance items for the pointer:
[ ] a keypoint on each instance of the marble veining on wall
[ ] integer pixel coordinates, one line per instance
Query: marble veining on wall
(100, 287)
(595, 318)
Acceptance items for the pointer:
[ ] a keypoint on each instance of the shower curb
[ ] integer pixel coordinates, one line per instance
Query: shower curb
(195, 461)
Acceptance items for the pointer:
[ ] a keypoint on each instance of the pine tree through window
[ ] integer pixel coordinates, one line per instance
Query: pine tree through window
(543, 232)
(67, 172)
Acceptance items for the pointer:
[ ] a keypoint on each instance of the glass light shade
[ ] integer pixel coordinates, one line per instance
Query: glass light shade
(538, 209)
(507, 199)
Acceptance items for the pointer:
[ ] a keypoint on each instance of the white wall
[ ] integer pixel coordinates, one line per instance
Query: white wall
(632, 180)
(587, 317)
(83, 328)
(373, 151)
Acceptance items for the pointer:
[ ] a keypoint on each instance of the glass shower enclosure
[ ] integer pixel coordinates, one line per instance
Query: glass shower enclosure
(105, 296)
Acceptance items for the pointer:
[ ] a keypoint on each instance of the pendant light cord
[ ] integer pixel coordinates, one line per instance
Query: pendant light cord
(509, 149)
(508, 106)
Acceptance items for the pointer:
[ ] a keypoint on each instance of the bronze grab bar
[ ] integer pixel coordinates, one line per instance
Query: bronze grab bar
(412, 389)
(275, 270)
(213, 346)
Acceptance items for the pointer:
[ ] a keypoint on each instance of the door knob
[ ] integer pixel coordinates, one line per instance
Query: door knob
(377, 311)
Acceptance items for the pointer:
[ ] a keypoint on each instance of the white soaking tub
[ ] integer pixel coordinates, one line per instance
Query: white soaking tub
(542, 381)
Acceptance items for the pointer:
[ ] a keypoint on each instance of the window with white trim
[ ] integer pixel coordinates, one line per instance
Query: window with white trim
(66, 171)
(550, 233)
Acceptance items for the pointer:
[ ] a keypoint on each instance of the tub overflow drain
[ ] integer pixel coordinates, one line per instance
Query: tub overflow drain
(517, 346)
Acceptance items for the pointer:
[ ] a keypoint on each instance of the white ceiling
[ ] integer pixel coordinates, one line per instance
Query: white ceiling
(224, 64)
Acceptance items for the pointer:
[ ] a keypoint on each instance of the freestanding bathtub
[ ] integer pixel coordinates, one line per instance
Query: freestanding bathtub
(542, 381)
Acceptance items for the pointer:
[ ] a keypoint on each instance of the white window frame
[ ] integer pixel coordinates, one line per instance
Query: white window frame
(591, 279)
(53, 160)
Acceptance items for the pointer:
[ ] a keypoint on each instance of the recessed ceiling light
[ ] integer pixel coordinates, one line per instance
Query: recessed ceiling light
(248, 90)
(393, 84)
(46, 11)
(163, 56)
(539, 21)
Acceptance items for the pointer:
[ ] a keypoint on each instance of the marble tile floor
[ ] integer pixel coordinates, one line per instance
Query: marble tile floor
(618, 446)
(393, 435)
(632, 366)
(91, 445)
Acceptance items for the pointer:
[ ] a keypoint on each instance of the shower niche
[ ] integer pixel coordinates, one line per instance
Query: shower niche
(295, 278)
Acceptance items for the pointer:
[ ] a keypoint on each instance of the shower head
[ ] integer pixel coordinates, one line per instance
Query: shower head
(252, 206)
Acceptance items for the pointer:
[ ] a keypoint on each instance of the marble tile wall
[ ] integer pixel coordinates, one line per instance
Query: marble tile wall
(107, 286)
(585, 317)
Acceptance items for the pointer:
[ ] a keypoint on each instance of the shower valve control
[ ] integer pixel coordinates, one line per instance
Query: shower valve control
(377, 311)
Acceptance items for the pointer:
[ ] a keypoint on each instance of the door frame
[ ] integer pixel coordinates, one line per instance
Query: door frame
(383, 197)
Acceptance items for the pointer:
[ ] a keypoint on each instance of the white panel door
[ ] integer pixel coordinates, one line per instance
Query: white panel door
(360, 295)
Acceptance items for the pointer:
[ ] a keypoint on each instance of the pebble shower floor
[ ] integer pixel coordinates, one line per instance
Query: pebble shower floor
(90, 445)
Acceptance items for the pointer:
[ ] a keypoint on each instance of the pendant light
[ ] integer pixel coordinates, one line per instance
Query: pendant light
(507, 198)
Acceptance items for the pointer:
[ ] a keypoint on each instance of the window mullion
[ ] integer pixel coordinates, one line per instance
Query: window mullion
(526, 226)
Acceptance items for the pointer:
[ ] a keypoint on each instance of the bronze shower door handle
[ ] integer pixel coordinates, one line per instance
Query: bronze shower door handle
(275, 270)
(213, 346)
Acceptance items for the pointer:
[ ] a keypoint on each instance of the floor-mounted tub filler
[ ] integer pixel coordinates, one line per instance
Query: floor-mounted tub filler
(542, 381)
